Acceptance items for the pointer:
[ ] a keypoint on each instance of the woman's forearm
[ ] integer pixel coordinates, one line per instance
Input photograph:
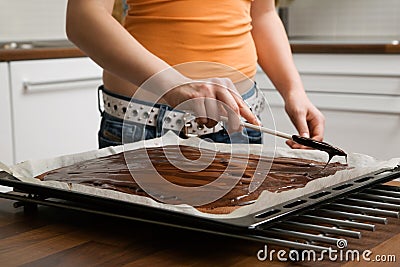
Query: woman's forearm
(92, 28)
(275, 57)
(274, 53)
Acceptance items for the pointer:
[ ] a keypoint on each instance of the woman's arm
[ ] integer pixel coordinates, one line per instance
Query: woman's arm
(92, 28)
(275, 58)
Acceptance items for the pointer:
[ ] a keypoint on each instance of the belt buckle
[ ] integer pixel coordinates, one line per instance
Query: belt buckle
(187, 120)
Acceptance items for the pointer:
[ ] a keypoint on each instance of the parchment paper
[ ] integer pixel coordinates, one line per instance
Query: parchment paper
(362, 164)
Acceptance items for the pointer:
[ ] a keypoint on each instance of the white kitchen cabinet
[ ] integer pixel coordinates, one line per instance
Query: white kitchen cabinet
(6, 142)
(54, 107)
(359, 96)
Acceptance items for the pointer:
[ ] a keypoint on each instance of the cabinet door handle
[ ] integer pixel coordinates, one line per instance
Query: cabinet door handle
(76, 83)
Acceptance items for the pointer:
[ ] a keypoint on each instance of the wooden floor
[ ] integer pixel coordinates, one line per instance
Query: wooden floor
(57, 237)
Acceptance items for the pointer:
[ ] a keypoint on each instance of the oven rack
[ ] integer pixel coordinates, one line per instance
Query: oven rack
(317, 221)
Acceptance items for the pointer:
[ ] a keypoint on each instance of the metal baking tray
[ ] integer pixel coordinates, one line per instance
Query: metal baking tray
(252, 227)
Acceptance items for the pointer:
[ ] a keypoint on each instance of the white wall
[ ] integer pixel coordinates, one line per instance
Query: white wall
(23, 20)
(344, 18)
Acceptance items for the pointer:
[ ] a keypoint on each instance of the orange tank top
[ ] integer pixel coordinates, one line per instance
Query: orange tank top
(181, 31)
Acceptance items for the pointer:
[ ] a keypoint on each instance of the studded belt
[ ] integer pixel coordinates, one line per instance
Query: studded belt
(146, 113)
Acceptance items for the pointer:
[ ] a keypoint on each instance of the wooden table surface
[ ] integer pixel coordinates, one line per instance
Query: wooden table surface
(57, 237)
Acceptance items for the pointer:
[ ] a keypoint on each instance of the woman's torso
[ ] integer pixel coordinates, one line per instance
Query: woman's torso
(182, 31)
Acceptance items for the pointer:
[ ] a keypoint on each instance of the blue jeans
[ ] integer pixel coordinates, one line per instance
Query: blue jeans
(112, 129)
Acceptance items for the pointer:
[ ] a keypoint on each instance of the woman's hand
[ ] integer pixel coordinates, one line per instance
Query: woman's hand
(209, 99)
(307, 119)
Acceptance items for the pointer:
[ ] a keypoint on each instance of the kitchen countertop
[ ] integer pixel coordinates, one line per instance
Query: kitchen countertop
(346, 45)
(300, 44)
(11, 51)
(50, 236)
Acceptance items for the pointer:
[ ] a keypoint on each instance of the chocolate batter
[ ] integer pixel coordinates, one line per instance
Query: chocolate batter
(112, 173)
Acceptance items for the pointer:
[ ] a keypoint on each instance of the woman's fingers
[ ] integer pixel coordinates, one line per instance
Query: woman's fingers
(307, 119)
(210, 99)
(213, 115)
(317, 126)
(231, 107)
(244, 110)
(199, 109)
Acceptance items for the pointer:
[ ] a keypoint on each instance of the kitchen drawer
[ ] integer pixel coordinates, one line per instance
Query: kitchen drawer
(350, 74)
(6, 142)
(346, 102)
(348, 64)
(54, 104)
